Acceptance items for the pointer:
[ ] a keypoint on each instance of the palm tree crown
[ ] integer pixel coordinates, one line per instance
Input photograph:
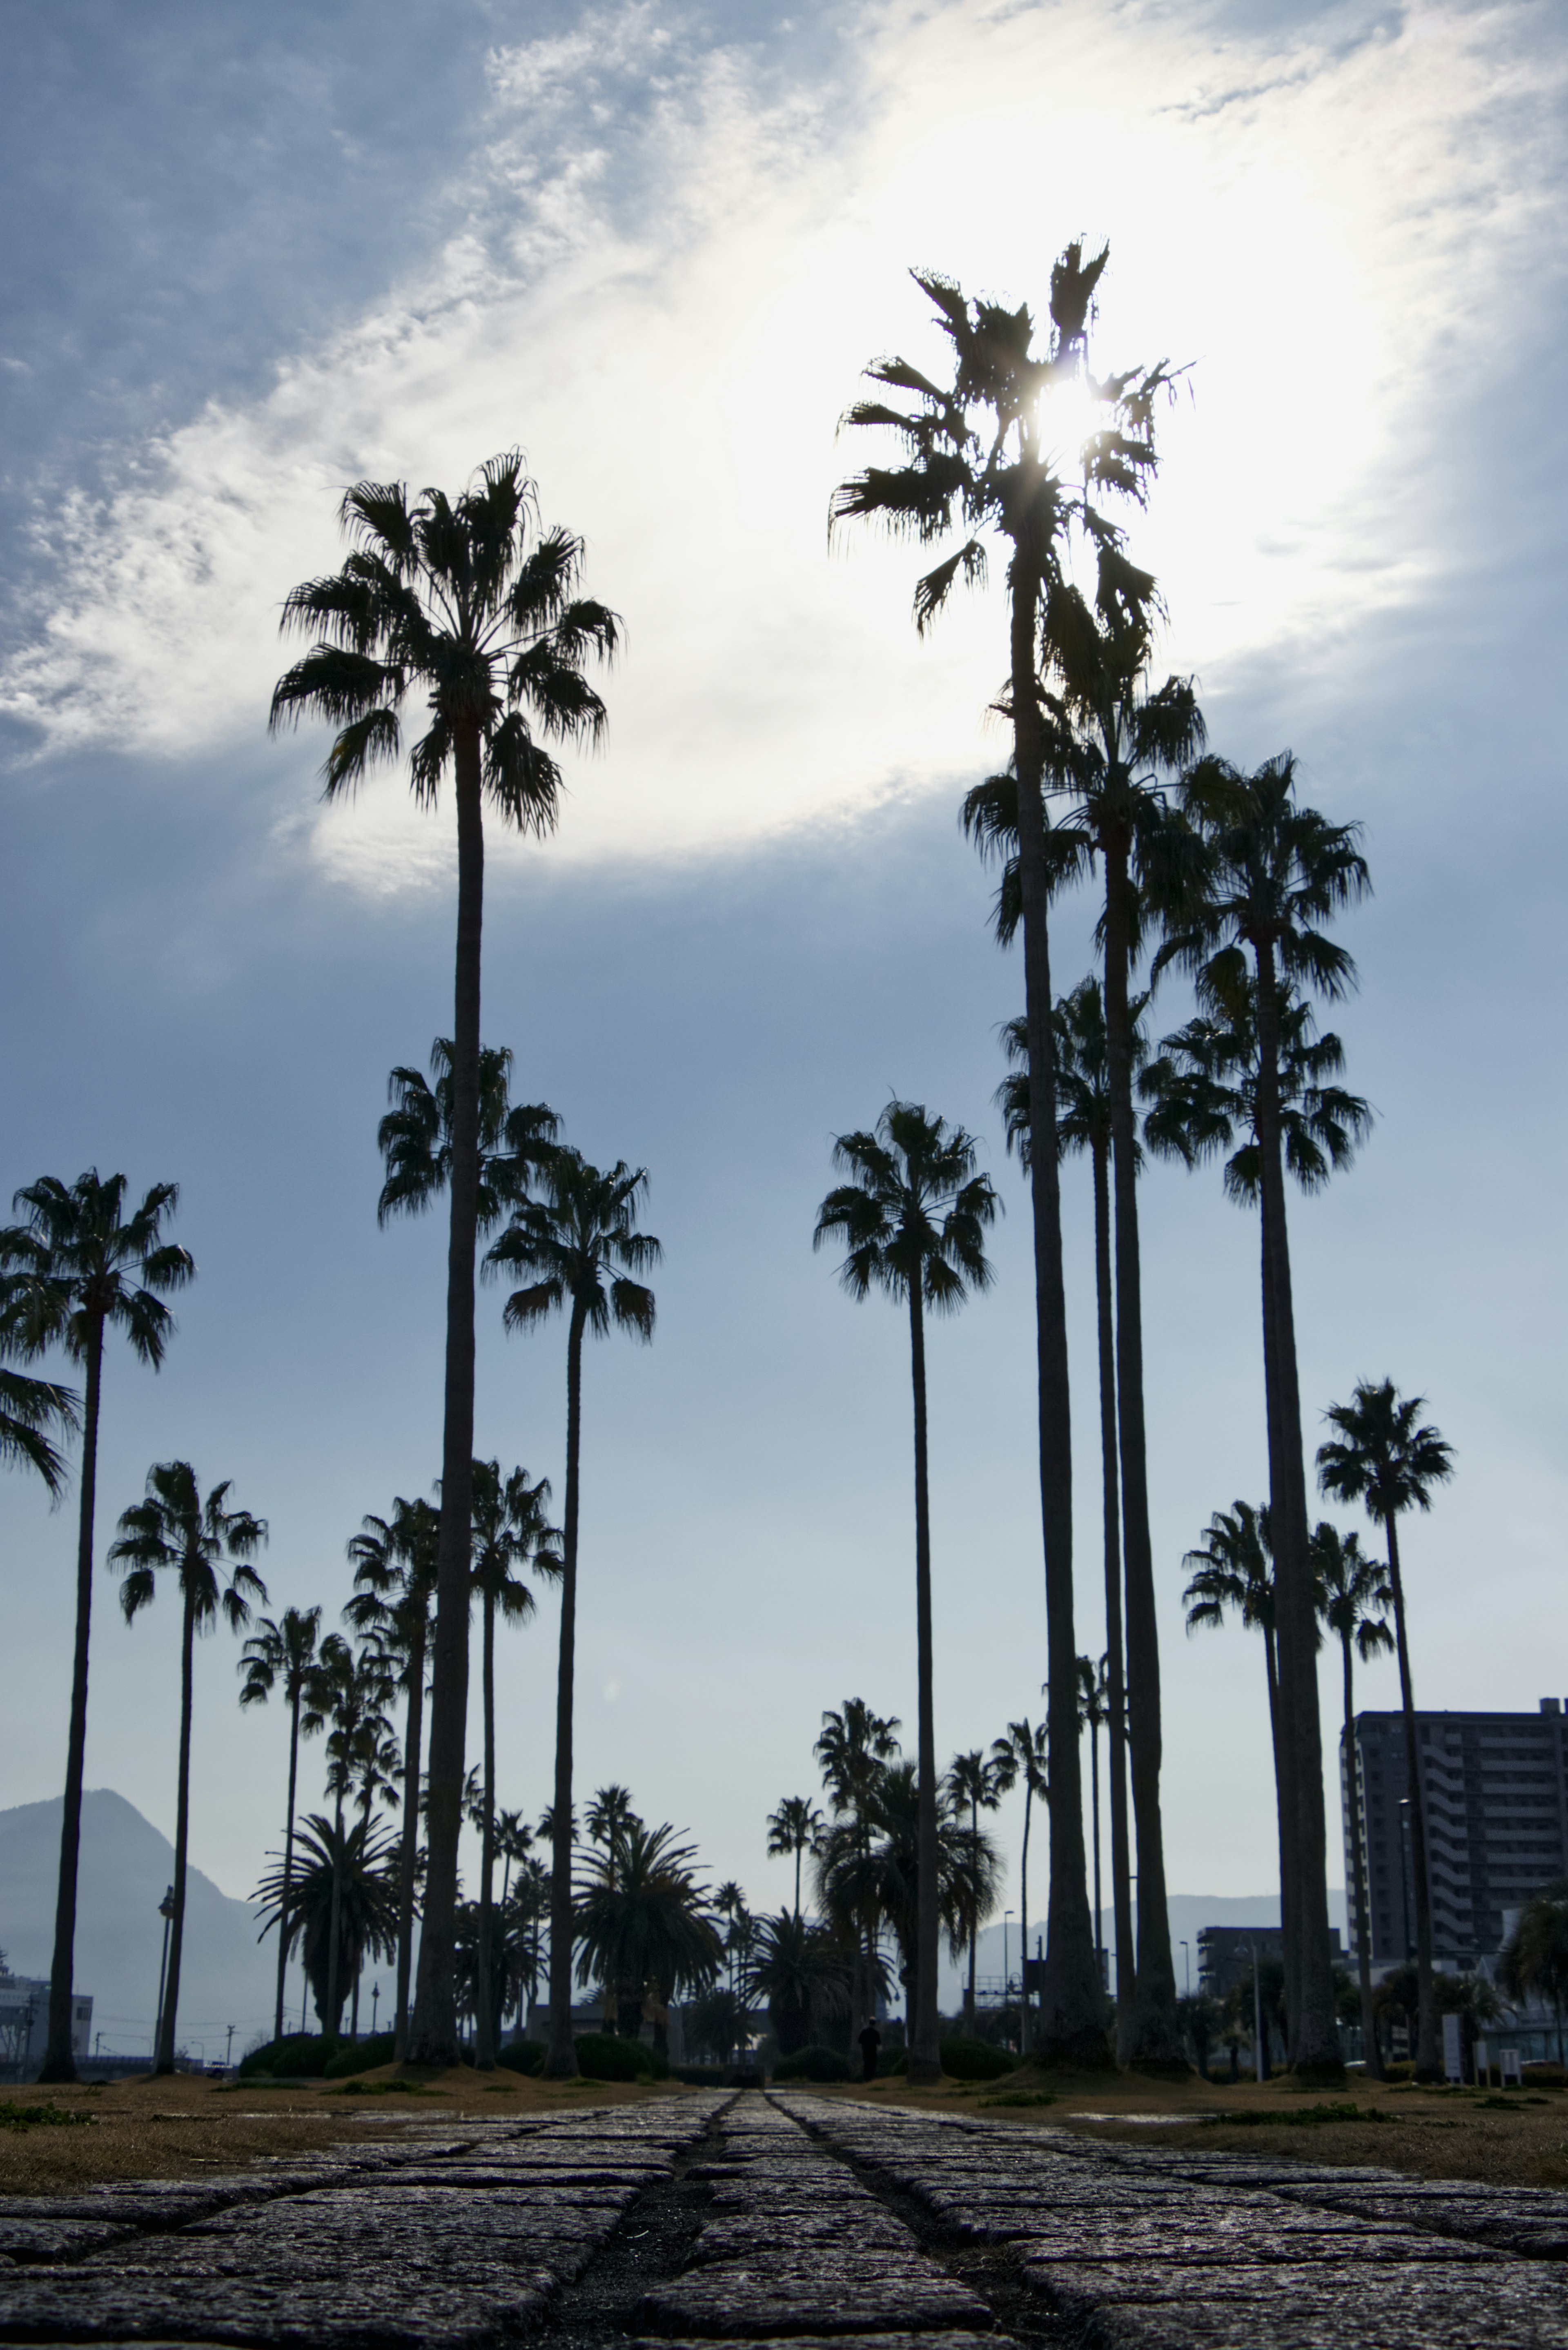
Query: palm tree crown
(578, 1238)
(414, 1138)
(1383, 1454)
(913, 1214)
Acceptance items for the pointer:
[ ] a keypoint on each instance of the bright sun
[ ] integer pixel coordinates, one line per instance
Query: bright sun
(1070, 415)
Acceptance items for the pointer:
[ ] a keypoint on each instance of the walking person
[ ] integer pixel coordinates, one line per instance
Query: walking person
(871, 2048)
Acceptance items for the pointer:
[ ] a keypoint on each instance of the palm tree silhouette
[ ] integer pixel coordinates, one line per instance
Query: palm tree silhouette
(282, 1655)
(793, 1828)
(802, 1971)
(343, 1884)
(195, 1539)
(1095, 1713)
(1022, 1754)
(31, 1411)
(982, 456)
(1384, 1457)
(352, 1688)
(643, 1920)
(80, 1267)
(579, 1241)
(1354, 1594)
(395, 1563)
(850, 1745)
(974, 1784)
(913, 1216)
(464, 601)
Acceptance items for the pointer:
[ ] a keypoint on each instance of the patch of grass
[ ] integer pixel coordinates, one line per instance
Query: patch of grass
(47, 2116)
(1304, 2117)
(499, 2089)
(381, 2089)
(1021, 2097)
(1495, 2103)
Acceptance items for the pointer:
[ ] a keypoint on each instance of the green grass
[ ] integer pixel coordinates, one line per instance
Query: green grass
(49, 2116)
(383, 2089)
(1021, 2097)
(1308, 2116)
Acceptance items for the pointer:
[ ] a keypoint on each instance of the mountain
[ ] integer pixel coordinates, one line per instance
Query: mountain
(126, 1867)
(1185, 1912)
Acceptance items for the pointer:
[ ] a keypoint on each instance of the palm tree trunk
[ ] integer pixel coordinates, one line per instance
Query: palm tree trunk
(1426, 2066)
(59, 2063)
(925, 2056)
(408, 1859)
(287, 1857)
(433, 2038)
(485, 2019)
(1121, 1850)
(1315, 2031)
(561, 2056)
(1094, 1814)
(1155, 2036)
(330, 2021)
(1363, 1920)
(1072, 2025)
(1024, 1904)
(182, 1844)
(797, 1854)
(1284, 1809)
(974, 1928)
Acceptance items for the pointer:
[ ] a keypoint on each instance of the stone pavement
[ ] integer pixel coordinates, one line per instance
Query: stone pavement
(787, 2220)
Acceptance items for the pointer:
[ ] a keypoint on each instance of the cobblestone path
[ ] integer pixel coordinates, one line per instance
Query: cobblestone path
(785, 2219)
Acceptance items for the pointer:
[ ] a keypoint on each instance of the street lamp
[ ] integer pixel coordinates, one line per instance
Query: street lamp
(374, 1997)
(166, 1911)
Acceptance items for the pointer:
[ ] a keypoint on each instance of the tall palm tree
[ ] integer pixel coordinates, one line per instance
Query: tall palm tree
(974, 1784)
(913, 1217)
(82, 1267)
(1355, 1595)
(395, 1563)
(282, 1655)
(510, 1531)
(982, 456)
(465, 602)
(1384, 1456)
(608, 1818)
(205, 1546)
(793, 1828)
(1272, 874)
(1084, 1123)
(643, 1920)
(578, 1246)
(1022, 1756)
(1095, 1712)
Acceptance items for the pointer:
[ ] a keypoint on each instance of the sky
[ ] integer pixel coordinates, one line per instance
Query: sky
(256, 255)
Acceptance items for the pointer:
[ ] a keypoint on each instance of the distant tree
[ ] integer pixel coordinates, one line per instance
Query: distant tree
(794, 1829)
(282, 1656)
(205, 1546)
(463, 603)
(610, 1816)
(1383, 1456)
(1095, 1713)
(343, 1874)
(415, 1137)
(32, 1413)
(973, 1783)
(853, 1742)
(912, 1216)
(354, 1688)
(1355, 1594)
(643, 1922)
(578, 1246)
(79, 1267)
(802, 1971)
(1021, 1759)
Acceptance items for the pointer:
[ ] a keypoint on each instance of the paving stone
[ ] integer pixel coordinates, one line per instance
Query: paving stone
(337, 2312)
(59, 2240)
(854, 2295)
(755, 2238)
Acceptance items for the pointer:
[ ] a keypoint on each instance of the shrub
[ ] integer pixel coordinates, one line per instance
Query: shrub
(975, 2060)
(702, 2076)
(298, 2055)
(813, 2064)
(522, 2056)
(360, 2057)
(889, 2063)
(603, 2056)
(1544, 2075)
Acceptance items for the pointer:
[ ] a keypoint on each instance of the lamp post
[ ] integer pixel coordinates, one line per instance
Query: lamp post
(375, 1998)
(229, 2051)
(1187, 1962)
(166, 1911)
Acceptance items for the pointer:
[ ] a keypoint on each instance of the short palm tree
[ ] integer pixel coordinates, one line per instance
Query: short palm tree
(80, 1267)
(395, 1561)
(577, 1245)
(344, 1883)
(973, 1783)
(281, 1656)
(206, 1547)
(1534, 1961)
(984, 456)
(853, 1741)
(510, 1531)
(913, 1217)
(1021, 1758)
(804, 1973)
(415, 1137)
(1383, 1456)
(1095, 1713)
(465, 604)
(793, 1828)
(1355, 1595)
(643, 1922)
(353, 1688)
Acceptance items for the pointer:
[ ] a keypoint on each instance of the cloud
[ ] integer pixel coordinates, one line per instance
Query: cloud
(676, 256)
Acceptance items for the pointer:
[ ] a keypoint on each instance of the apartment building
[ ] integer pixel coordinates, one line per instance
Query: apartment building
(1495, 1794)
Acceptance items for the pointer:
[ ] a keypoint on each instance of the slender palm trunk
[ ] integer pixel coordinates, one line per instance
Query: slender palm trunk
(1116, 1675)
(1156, 2035)
(1315, 2031)
(925, 2056)
(561, 2056)
(974, 1928)
(484, 2020)
(287, 1854)
(1094, 1814)
(330, 2021)
(1290, 1875)
(1024, 1904)
(433, 2038)
(59, 2063)
(1362, 1916)
(165, 2063)
(408, 1859)
(1426, 2066)
(797, 1853)
(1072, 2025)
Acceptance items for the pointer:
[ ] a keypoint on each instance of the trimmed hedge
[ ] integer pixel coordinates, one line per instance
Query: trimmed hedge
(605, 2057)
(298, 2055)
(521, 2056)
(813, 2064)
(961, 2060)
(361, 2055)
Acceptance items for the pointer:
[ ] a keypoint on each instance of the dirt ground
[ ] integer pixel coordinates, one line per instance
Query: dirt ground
(186, 2127)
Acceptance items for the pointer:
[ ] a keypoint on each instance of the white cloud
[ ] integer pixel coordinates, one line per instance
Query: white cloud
(675, 266)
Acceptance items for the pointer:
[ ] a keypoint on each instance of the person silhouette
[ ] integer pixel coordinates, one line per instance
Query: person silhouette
(871, 2048)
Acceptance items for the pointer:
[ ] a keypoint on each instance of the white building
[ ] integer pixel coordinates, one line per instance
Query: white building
(24, 2026)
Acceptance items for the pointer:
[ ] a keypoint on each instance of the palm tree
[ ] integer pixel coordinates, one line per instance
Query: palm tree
(1022, 1754)
(510, 1531)
(973, 1783)
(981, 456)
(1535, 1958)
(415, 1137)
(196, 1540)
(462, 601)
(1252, 930)
(395, 1563)
(1384, 1457)
(643, 1921)
(913, 1216)
(850, 1746)
(283, 1654)
(345, 1884)
(793, 1828)
(1084, 1123)
(31, 1411)
(578, 1241)
(1093, 1714)
(804, 1973)
(82, 1268)
(610, 1816)
(353, 1688)
(1355, 1594)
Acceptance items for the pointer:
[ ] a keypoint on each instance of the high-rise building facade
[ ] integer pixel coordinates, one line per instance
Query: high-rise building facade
(1495, 1794)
